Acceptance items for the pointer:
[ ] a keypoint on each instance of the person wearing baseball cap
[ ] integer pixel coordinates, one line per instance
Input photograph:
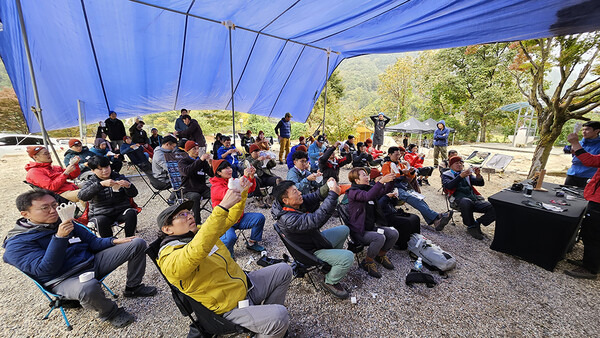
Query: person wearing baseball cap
(194, 259)
(194, 169)
(459, 185)
(43, 174)
(265, 177)
(315, 151)
(79, 150)
(283, 129)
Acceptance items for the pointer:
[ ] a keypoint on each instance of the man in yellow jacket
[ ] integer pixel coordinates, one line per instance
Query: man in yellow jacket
(194, 259)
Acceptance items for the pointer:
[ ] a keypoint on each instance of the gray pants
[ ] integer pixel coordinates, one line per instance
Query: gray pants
(376, 241)
(266, 316)
(90, 294)
(439, 151)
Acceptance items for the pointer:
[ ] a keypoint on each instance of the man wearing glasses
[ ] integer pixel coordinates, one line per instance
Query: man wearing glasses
(57, 252)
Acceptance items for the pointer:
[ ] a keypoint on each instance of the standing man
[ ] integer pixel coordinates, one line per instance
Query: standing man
(179, 124)
(440, 142)
(115, 130)
(283, 129)
(589, 267)
(379, 121)
(193, 132)
(579, 174)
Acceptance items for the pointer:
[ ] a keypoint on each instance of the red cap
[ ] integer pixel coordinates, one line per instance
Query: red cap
(401, 148)
(302, 148)
(374, 173)
(248, 132)
(189, 145)
(454, 159)
(254, 147)
(74, 142)
(125, 138)
(367, 141)
(301, 139)
(32, 150)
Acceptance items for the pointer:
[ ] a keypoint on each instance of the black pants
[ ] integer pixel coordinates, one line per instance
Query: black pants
(116, 164)
(198, 198)
(406, 225)
(590, 233)
(104, 222)
(576, 181)
(425, 171)
(267, 180)
(467, 207)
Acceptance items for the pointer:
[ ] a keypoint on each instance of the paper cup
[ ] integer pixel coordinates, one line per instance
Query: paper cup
(243, 303)
(86, 276)
(380, 231)
(353, 300)
(319, 179)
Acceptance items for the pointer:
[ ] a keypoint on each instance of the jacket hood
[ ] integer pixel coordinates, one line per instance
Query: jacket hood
(442, 122)
(37, 165)
(591, 141)
(277, 210)
(24, 226)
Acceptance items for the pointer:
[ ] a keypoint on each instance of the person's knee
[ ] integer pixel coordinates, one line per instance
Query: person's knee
(89, 291)
(280, 320)
(346, 259)
(285, 271)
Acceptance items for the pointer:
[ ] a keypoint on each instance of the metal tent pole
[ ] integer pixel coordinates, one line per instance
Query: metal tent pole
(231, 26)
(37, 109)
(325, 94)
(82, 129)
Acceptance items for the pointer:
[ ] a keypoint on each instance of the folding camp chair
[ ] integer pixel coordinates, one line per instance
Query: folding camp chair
(304, 261)
(206, 322)
(56, 196)
(152, 183)
(172, 160)
(84, 219)
(355, 246)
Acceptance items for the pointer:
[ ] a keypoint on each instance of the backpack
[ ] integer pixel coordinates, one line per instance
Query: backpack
(431, 254)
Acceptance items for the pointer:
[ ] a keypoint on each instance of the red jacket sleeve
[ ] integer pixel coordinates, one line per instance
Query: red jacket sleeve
(589, 160)
(40, 178)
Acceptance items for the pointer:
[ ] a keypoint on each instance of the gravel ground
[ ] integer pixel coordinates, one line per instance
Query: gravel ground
(488, 294)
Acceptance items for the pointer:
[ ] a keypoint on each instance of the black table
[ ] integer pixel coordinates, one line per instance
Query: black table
(536, 235)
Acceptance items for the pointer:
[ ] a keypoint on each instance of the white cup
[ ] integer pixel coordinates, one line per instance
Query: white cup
(380, 231)
(319, 179)
(353, 300)
(86, 276)
(243, 303)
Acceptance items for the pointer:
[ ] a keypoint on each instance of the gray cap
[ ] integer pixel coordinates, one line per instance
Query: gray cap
(162, 218)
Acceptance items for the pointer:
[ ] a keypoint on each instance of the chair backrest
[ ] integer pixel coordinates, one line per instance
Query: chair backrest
(172, 160)
(207, 322)
(300, 255)
(58, 197)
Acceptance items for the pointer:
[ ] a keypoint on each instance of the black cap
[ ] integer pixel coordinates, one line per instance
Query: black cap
(169, 138)
(162, 218)
(321, 139)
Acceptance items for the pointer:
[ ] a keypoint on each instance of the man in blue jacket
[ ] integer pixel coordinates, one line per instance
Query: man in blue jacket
(578, 175)
(56, 253)
(283, 129)
(440, 142)
(315, 151)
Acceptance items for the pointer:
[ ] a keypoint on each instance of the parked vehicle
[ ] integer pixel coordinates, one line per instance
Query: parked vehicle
(16, 144)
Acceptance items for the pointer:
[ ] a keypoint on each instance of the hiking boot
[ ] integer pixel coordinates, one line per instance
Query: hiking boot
(337, 290)
(475, 233)
(576, 262)
(121, 319)
(442, 220)
(581, 273)
(140, 291)
(385, 261)
(371, 268)
(255, 247)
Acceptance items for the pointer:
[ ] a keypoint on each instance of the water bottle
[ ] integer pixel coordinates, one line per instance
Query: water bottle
(419, 264)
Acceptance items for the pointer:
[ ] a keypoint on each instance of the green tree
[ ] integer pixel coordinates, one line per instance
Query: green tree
(396, 87)
(576, 94)
(336, 122)
(11, 117)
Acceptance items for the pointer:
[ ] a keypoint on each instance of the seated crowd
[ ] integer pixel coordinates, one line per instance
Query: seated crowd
(197, 256)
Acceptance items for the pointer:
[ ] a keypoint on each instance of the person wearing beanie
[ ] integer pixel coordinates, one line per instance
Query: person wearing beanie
(100, 148)
(77, 149)
(194, 170)
(247, 140)
(405, 182)
(230, 153)
(265, 177)
(223, 171)
(136, 154)
(43, 174)
(376, 153)
(459, 184)
(301, 216)
(288, 158)
(193, 259)
(115, 130)
(363, 159)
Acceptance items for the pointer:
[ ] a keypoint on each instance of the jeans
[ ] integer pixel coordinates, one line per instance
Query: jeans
(251, 220)
(428, 214)
(340, 259)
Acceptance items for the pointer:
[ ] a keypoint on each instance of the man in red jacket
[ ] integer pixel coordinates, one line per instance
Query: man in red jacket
(43, 174)
(589, 266)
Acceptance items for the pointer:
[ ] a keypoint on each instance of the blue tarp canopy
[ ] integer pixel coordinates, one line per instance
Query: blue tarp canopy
(141, 57)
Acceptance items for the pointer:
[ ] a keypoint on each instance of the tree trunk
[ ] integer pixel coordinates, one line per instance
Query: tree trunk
(542, 151)
(483, 130)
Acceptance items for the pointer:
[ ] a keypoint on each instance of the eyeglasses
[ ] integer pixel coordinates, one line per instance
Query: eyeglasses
(183, 215)
(48, 208)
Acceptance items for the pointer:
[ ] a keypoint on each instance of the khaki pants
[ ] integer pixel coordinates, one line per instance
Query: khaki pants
(284, 144)
(439, 150)
(71, 195)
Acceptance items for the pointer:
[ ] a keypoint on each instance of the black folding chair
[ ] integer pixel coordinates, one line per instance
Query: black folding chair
(56, 196)
(304, 261)
(355, 246)
(153, 184)
(206, 322)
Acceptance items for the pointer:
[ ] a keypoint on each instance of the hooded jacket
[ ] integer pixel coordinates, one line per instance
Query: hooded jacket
(440, 137)
(413, 159)
(211, 278)
(577, 168)
(160, 171)
(84, 155)
(194, 133)
(592, 189)
(179, 124)
(105, 201)
(357, 204)
(51, 177)
(35, 250)
(302, 227)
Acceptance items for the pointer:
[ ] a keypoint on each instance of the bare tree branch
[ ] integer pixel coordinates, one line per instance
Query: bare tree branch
(527, 55)
(581, 104)
(578, 114)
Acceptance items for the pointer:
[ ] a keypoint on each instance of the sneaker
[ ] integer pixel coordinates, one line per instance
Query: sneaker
(385, 261)
(337, 290)
(442, 220)
(140, 291)
(371, 268)
(581, 273)
(475, 233)
(281, 162)
(426, 182)
(255, 247)
(576, 262)
(121, 319)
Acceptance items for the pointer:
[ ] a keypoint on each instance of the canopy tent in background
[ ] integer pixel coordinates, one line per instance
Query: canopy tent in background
(411, 126)
(140, 57)
(432, 125)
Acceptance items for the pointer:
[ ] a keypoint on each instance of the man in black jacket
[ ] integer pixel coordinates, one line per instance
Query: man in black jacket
(194, 169)
(363, 159)
(193, 132)
(300, 218)
(115, 130)
(330, 165)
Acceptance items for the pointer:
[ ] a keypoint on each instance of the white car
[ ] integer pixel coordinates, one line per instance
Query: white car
(16, 144)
